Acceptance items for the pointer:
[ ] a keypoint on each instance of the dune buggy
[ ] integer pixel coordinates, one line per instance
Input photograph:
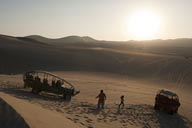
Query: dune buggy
(167, 100)
(48, 82)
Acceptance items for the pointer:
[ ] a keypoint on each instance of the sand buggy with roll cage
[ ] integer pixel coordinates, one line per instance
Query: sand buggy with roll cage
(49, 82)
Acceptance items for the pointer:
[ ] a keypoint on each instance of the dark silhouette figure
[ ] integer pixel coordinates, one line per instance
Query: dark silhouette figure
(45, 81)
(101, 99)
(53, 83)
(58, 83)
(121, 102)
(37, 79)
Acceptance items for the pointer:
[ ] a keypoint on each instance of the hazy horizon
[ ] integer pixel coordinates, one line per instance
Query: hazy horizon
(105, 20)
(55, 38)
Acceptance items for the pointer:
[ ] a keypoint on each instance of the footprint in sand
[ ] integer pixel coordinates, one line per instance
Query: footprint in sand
(134, 122)
(113, 120)
(131, 122)
(69, 112)
(89, 120)
(86, 117)
(122, 121)
(84, 109)
(76, 119)
(110, 116)
(114, 116)
(82, 123)
(99, 119)
(77, 115)
(89, 126)
(124, 125)
(146, 125)
(59, 110)
(69, 118)
(78, 109)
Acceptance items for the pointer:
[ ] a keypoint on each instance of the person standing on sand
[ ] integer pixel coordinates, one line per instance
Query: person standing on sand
(121, 102)
(101, 99)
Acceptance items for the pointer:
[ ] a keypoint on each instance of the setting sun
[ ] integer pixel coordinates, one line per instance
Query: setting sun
(143, 24)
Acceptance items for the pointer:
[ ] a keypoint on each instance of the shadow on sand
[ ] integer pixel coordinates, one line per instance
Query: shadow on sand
(27, 95)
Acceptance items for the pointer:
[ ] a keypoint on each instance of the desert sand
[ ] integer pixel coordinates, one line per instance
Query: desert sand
(82, 110)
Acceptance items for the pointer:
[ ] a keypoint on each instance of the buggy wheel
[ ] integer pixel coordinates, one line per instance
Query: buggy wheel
(176, 110)
(36, 90)
(67, 97)
(171, 112)
(156, 107)
(25, 86)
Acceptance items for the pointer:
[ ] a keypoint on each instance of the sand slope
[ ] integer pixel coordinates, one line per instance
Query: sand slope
(35, 116)
(9, 118)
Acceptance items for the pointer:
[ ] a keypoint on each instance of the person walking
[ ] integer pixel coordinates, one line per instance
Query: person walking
(121, 102)
(101, 99)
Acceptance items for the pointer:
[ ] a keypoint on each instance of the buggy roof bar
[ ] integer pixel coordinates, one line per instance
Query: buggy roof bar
(45, 72)
(167, 92)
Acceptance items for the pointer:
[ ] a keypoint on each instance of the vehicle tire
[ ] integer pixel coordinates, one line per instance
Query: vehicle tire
(36, 90)
(67, 97)
(171, 112)
(176, 110)
(25, 86)
(156, 107)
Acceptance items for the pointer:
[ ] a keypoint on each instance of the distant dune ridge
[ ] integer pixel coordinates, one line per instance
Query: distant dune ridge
(165, 59)
(69, 39)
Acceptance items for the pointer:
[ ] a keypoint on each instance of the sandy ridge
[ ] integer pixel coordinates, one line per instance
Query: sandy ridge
(36, 116)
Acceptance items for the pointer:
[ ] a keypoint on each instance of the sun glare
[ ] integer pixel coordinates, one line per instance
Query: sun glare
(143, 25)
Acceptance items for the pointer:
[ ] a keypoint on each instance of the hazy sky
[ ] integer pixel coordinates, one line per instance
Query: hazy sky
(100, 19)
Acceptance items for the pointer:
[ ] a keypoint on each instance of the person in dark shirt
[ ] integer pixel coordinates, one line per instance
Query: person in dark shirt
(101, 99)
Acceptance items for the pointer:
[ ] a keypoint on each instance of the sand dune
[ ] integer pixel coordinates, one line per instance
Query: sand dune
(168, 60)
